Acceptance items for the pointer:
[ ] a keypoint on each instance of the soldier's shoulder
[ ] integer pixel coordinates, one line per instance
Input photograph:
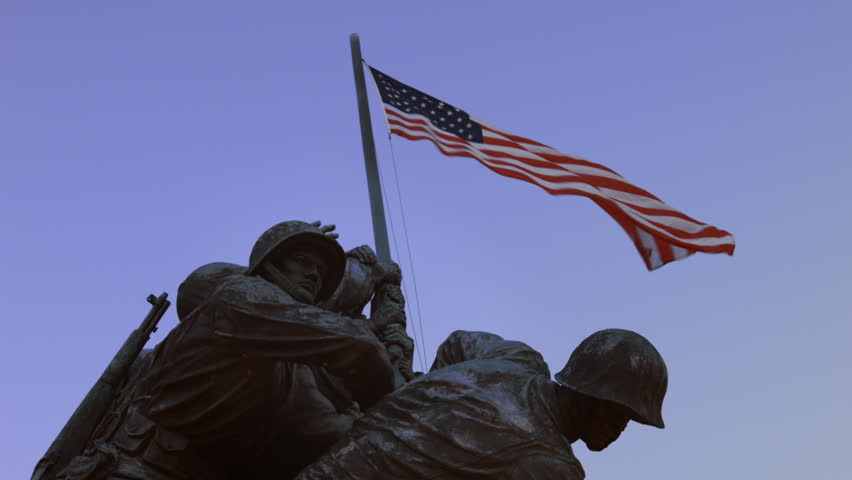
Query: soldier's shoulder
(249, 289)
(564, 466)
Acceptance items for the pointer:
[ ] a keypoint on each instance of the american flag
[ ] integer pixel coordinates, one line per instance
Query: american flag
(660, 233)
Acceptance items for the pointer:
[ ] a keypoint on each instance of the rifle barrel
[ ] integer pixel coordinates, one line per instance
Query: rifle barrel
(74, 436)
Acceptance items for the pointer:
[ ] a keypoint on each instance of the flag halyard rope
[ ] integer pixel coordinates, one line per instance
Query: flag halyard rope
(408, 247)
(420, 349)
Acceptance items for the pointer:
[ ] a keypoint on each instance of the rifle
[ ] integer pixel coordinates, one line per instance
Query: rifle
(74, 436)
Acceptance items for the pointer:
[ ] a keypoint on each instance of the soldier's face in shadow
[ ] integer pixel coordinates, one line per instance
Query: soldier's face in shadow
(305, 269)
(603, 423)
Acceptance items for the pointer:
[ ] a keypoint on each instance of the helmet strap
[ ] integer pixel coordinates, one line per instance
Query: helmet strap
(285, 284)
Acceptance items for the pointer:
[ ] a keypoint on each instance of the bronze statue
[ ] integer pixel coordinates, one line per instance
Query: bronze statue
(365, 278)
(256, 381)
(273, 365)
(488, 409)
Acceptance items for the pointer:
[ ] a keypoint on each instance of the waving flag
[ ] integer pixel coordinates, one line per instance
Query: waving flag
(660, 233)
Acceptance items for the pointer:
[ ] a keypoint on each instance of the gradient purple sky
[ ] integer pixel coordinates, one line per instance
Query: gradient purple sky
(140, 140)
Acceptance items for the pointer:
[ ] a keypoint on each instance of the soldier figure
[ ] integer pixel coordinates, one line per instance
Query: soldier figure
(488, 409)
(256, 381)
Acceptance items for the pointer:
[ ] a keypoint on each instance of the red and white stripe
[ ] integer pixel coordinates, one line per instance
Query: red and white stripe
(661, 233)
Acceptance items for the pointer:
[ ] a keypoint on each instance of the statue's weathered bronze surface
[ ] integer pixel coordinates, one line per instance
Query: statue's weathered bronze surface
(273, 370)
(256, 381)
(488, 409)
(125, 364)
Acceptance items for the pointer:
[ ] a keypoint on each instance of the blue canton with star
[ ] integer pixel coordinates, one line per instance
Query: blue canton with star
(442, 115)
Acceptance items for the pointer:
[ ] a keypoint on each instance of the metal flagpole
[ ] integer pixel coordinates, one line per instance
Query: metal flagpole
(380, 229)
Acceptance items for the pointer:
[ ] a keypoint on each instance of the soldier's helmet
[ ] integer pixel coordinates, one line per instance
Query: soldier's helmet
(623, 367)
(296, 234)
(201, 283)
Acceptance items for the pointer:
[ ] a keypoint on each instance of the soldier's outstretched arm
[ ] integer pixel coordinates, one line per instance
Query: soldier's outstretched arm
(258, 318)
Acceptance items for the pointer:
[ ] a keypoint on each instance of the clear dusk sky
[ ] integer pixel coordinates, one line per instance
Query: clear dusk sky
(140, 140)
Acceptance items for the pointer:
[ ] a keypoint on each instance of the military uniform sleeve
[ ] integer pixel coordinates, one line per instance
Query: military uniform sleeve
(262, 321)
(462, 346)
(541, 467)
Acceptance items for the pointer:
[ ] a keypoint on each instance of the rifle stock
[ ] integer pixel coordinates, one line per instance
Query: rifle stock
(74, 436)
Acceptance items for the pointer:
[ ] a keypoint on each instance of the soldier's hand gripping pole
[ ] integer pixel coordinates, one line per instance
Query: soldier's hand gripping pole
(77, 431)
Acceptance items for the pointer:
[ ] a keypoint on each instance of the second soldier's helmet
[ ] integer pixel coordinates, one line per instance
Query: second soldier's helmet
(287, 235)
(623, 367)
(201, 283)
